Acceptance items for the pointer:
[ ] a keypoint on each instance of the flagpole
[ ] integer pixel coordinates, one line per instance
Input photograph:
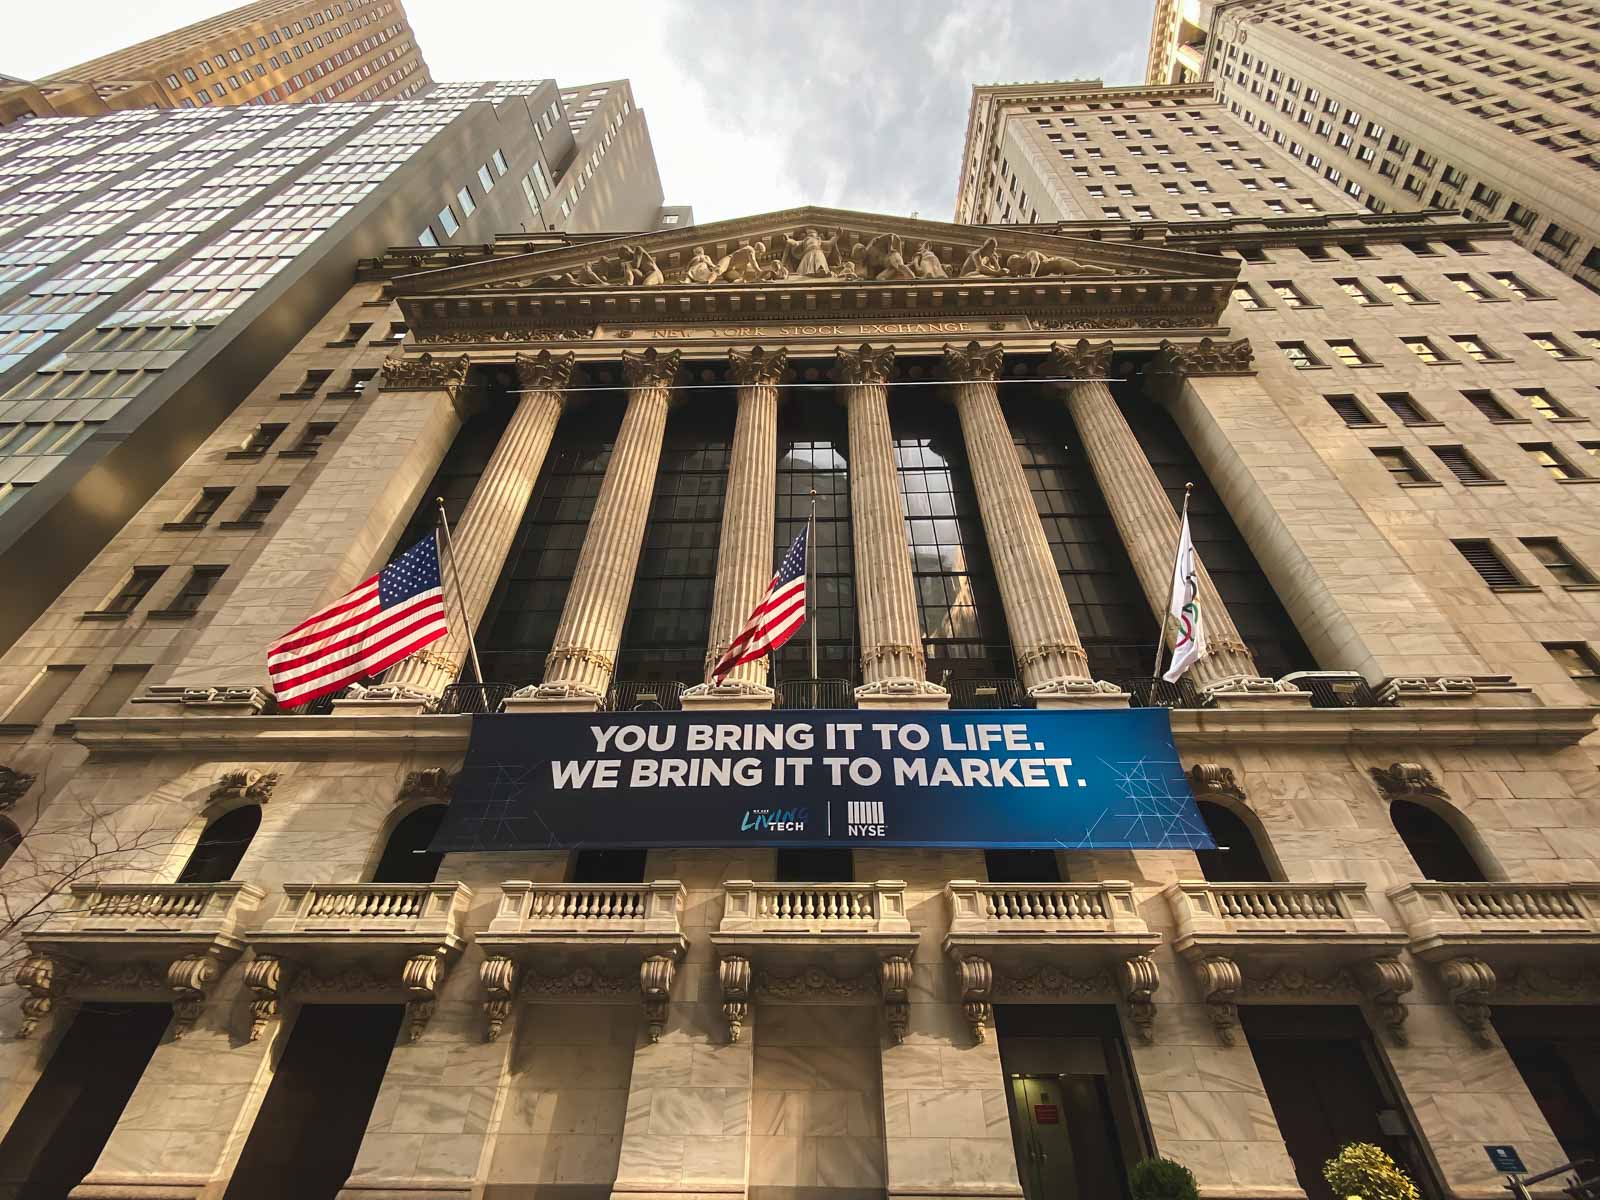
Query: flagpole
(1161, 638)
(811, 541)
(455, 573)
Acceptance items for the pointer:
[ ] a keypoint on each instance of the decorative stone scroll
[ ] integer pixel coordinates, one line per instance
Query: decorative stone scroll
(14, 785)
(733, 973)
(1211, 779)
(1403, 780)
(1470, 982)
(1139, 979)
(655, 981)
(244, 787)
(896, 987)
(43, 978)
(190, 979)
(1220, 980)
(499, 978)
(265, 977)
(1386, 980)
(420, 978)
(491, 334)
(426, 374)
(434, 783)
(976, 976)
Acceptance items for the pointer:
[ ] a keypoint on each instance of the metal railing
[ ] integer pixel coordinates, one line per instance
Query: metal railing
(653, 696)
(1158, 693)
(815, 693)
(988, 692)
(1335, 689)
(475, 698)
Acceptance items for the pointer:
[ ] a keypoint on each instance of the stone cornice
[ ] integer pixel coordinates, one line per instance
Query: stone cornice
(1375, 732)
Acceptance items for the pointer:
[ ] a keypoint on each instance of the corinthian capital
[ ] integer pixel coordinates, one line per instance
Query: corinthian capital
(758, 366)
(651, 368)
(426, 374)
(864, 365)
(1205, 357)
(973, 363)
(545, 371)
(1082, 360)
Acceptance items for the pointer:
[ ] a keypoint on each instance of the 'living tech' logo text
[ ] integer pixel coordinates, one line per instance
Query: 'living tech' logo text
(775, 820)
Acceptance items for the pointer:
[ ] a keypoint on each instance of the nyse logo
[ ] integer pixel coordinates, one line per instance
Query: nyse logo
(865, 818)
(774, 820)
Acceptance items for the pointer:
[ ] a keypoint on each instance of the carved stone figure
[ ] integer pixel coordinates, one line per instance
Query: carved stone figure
(744, 265)
(894, 261)
(985, 260)
(925, 263)
(700, 269)
(811, 252)
(644, 269)
(1032, 263)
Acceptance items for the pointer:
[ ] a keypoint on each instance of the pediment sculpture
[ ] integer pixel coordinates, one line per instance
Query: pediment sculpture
(818, 254)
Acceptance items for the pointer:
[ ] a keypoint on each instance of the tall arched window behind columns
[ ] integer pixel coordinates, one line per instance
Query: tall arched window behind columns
(1238, 857)
(1435, 846)
(222, 844)
(406, 857)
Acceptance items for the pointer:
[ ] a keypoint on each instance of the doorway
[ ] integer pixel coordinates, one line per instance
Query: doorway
(70, 1113)
(1327, 1087)
(1557, 1052)
(1076, 1121)
(305, 1138)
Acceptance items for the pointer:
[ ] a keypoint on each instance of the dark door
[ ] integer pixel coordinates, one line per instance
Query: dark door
(1557, 1052)
(1327, 1088)
(69, 1115)
(305, 1138)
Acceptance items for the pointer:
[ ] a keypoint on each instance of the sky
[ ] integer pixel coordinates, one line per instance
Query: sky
(753, 105)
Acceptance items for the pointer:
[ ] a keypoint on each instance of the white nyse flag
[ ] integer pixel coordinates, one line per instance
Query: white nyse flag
(1190, 643)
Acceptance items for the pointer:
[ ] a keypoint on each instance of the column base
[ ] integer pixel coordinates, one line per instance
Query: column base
(1078, 693)
(902, 693)
(554, 697)
(1255, 692)
(729, 695)
(385, 700)
(245, 701)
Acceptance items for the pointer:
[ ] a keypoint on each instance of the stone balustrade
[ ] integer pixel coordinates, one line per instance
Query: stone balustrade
(799, 908)
(582, 908)
(1446, 918)
(132, 908)
(1272, 909)
(379, 908)
(1030, 907)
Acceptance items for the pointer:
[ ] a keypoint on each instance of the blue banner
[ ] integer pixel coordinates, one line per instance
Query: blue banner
(1075, 779)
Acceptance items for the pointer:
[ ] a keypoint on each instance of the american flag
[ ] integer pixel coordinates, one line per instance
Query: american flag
(376, 624)
(781, 611)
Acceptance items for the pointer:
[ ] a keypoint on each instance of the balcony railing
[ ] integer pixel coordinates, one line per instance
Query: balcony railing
(1439, 915)
(475, 698)
(995, 692)
(1039, 907)
(378, 908)
(647, 696)
(814, 907)
(815, 693)
(143, 909)
(1335, 689)
(1252, 911)
(582, 908)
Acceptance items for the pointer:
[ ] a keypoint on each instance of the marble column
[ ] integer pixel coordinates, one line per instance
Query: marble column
(749, 513)
(578, 669)
(893, 666)
(483, 536)
(1143, 512)
(1050, 656)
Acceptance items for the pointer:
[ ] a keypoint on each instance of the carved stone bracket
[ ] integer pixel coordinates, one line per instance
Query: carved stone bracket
(895, 983)
(1081, 360)
(749, 368)
(1405, 780)
(43, 978)
(265, 977)
(1469, 983)
(651, 368)
(189, 979)
(1386, 980)
(244, 787)
(435, 783)
(420, 978)
(733, 973)
(973, 363)
(427, 374)
(13, 786)
(545, 371)
(1220, 980)
(499, 977)
(976, 976)
(1210, 779)
(655, 982)
(1138, 978)
(864, 365)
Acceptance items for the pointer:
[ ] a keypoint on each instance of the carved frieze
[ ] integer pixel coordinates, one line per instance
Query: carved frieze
(501, 335)
(814, 983)
(579, 982)
(733, 974)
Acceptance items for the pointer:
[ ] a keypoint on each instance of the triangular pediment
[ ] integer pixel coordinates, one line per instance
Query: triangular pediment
(819, 260)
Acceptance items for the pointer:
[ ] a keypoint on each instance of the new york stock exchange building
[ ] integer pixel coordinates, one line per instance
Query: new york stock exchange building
(964, 900)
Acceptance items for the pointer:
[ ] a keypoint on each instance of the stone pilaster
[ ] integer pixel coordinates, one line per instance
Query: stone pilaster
(580, 664)
(483, 536)
(1143, 513)
(893, 667)
(744, 552)
(1050, 656)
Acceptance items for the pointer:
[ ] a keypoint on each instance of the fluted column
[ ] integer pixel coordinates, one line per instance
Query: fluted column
(745, 549)
(893, 666)
(1044, 638)
(482, 538)
(1141, 509)
(578, 668)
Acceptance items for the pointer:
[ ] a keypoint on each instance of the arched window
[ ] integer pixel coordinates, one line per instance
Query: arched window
(1238, 857)
(223, 843)
(1436, 847)
(406, 857)
(10, 839)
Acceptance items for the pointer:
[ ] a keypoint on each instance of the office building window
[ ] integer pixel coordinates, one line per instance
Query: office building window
(195, 589)
(1424, 350)
(133, 590)
(1399, 463)
(1546, 405)
(1351, 411)
(1299, 355)
(448, 221)
(1490, 406)
(1486, 561)
(1552, 460)
(1348, 353)
(1581, 664)
(1406, 408)
(1554, 556)
(464, 198)
(1462, 465)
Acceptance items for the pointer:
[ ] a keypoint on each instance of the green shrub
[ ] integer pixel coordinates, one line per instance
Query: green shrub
(1162, 1179)
(1361, 1169)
